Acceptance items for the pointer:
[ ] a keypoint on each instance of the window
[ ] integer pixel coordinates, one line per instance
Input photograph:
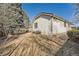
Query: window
(36, 25)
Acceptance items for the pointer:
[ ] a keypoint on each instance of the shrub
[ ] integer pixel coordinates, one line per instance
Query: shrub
(70, 33)
(73, 33)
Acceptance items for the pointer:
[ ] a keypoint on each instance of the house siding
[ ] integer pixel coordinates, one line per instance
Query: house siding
(43, 25)
(49, 25)
(58, 26)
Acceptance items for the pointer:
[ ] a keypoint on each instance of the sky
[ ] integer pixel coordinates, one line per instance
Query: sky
(63, 10)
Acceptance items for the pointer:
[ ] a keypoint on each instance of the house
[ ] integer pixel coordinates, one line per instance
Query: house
(50, 24)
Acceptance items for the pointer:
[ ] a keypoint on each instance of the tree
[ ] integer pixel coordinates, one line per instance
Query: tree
(10, 14)
(76, 14)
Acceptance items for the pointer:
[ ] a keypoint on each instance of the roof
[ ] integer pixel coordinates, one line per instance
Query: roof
(51, 15)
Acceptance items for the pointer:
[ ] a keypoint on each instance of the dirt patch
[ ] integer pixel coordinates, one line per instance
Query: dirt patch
(30, 44)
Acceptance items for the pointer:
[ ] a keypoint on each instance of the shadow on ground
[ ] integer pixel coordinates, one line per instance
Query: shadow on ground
(70, 48)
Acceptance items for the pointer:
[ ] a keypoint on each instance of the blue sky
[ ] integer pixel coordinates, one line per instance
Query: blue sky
(63, 10)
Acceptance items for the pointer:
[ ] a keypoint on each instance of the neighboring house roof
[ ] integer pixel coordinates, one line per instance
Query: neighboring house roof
(51, 15)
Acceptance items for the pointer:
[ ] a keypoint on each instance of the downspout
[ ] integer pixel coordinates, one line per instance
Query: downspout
(51, 26)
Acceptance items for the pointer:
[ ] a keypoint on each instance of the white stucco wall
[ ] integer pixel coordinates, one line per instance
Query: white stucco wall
(43, 25)
(58, 26)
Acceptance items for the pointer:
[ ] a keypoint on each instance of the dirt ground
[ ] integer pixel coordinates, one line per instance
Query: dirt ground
(70, 48)
(30, 44)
